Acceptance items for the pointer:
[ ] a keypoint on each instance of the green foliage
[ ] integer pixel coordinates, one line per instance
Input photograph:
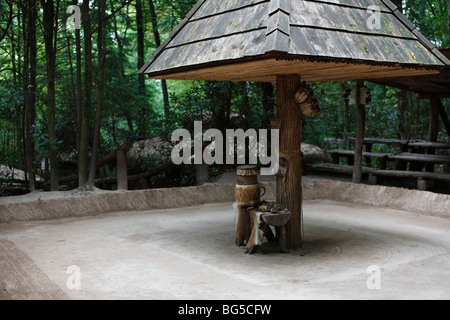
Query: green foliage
(130, 114)
(431, 17)
(212, 101)
(336, 119)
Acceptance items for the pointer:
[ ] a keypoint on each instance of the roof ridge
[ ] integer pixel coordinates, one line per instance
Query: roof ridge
(278, 26)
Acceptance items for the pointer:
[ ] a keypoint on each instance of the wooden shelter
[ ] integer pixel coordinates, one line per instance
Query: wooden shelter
(287, 42)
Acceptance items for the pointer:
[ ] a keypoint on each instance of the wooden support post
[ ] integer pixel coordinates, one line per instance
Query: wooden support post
(281, 239)
(243, 226)
(446, 122)
(444, 115)
(434, 127)
(421, 184)
(368, 159)
(202, 170)
(434, 119)
(289, 181)
(122, 170)
(201, 173)
(372, 179)
(359, 142)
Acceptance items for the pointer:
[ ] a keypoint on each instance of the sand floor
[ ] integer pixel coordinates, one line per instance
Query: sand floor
(189, 253)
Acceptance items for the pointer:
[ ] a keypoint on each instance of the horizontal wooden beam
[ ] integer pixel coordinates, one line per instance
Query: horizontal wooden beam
(266, 70)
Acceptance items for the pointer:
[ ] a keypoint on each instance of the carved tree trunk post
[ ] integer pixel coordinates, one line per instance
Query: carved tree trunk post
(289, 183)
(360, 127)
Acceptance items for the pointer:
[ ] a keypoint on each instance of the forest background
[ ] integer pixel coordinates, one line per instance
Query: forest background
(70, 96)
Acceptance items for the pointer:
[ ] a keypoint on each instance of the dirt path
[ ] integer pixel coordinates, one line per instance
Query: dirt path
(22, 279)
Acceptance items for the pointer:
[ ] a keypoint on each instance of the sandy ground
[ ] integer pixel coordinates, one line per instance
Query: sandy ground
(189, 253)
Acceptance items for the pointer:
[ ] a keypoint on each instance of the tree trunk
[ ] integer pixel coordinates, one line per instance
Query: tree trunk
(79, 86)
(289, 184)
(101, 47)
(86, 108)
(29, 72)
(245, 105)
(360, 128)
(444, 116)
(158, 43)
(268, 103)
(448, 11)
(433, 133)
(9, 21)
(121, 71)
(403, 101)
(50, 54)
(122, 170)
(140, 44)
(19, 80)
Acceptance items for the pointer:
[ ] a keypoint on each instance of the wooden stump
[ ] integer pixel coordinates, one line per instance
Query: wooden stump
(243, 226)
(279, 221)
(289, 179)
(260, 223)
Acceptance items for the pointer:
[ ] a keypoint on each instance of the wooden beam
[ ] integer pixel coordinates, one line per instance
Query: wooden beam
(267, 69)
(289, 181)
(113, 155)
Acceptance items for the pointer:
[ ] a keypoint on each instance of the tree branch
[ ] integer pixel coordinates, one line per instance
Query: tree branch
(123, 5)
(9, 20)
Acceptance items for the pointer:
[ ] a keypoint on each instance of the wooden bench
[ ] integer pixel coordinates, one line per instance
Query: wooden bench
(373, 174)
(369, 142)
(418, 161)
(422, 177)
(428, 145)
(350, 155)
(419, 157)
(335, 168)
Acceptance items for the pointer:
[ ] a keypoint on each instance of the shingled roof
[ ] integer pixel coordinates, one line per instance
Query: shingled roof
(428, 86)
(322, 40)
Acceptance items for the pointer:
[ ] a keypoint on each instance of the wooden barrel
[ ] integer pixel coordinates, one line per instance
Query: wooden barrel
(248, 195)
(248, 190)
(247, 175)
